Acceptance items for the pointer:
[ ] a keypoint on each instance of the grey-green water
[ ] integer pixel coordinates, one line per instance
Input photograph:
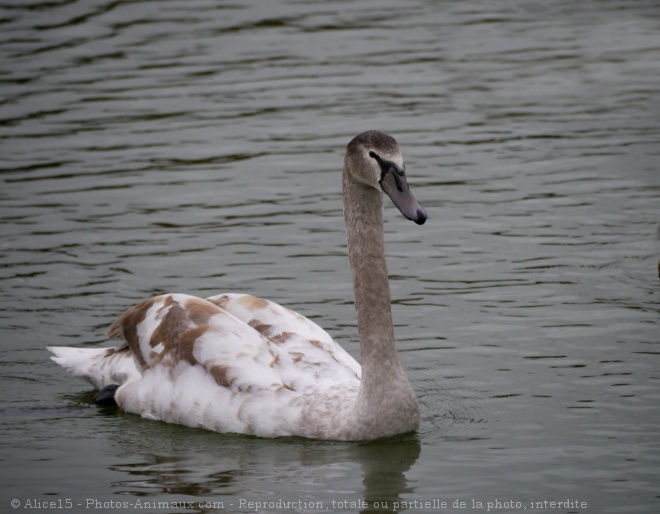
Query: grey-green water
(196, 147)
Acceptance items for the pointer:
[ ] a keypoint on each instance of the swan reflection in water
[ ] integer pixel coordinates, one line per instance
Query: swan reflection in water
(159, 461)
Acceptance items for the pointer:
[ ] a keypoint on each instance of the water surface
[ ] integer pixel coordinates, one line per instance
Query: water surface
(196, 147)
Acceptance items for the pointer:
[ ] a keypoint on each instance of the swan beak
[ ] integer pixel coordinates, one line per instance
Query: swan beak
(394, 183)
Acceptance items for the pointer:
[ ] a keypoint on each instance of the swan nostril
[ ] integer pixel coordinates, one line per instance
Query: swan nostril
(397, 182)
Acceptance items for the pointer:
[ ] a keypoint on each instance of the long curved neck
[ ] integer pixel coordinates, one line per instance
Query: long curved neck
(386, 403)
(363, 214)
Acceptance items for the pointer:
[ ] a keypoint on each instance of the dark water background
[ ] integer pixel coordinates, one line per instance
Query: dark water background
(152, 146)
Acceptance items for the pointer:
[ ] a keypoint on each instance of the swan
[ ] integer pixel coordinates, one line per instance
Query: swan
(236, 363)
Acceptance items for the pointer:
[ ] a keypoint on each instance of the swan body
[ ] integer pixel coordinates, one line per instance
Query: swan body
(238, 363)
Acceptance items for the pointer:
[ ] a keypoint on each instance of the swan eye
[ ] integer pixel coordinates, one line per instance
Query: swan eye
(387, 166)
(378, 159)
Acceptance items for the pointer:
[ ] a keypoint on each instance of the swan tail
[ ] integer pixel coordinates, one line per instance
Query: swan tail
(99, 366)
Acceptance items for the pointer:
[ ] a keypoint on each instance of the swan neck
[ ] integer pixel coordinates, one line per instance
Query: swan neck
(386, 403)
(363, 212)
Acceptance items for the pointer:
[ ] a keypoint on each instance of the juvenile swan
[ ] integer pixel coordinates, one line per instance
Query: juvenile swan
(238, 363)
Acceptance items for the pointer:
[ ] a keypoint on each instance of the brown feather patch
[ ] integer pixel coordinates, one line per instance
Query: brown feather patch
(117, 349)
(170, 328)
(265, 330)
(219, 374)
(177, 330)
(252, 303)
(281, 338)
(125, 327)
(200, 311)
(186, 347)
(220, 302)
(262, 328)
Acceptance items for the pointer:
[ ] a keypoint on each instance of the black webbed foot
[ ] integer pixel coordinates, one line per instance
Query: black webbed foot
(106, 396)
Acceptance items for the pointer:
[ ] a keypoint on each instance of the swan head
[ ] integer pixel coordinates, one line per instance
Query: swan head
(373, 159)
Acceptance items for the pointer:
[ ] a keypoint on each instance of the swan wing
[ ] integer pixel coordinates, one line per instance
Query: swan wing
(231, 363)
(317, 355)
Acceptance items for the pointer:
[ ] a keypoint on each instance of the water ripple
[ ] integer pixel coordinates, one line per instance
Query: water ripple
(161, 146)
